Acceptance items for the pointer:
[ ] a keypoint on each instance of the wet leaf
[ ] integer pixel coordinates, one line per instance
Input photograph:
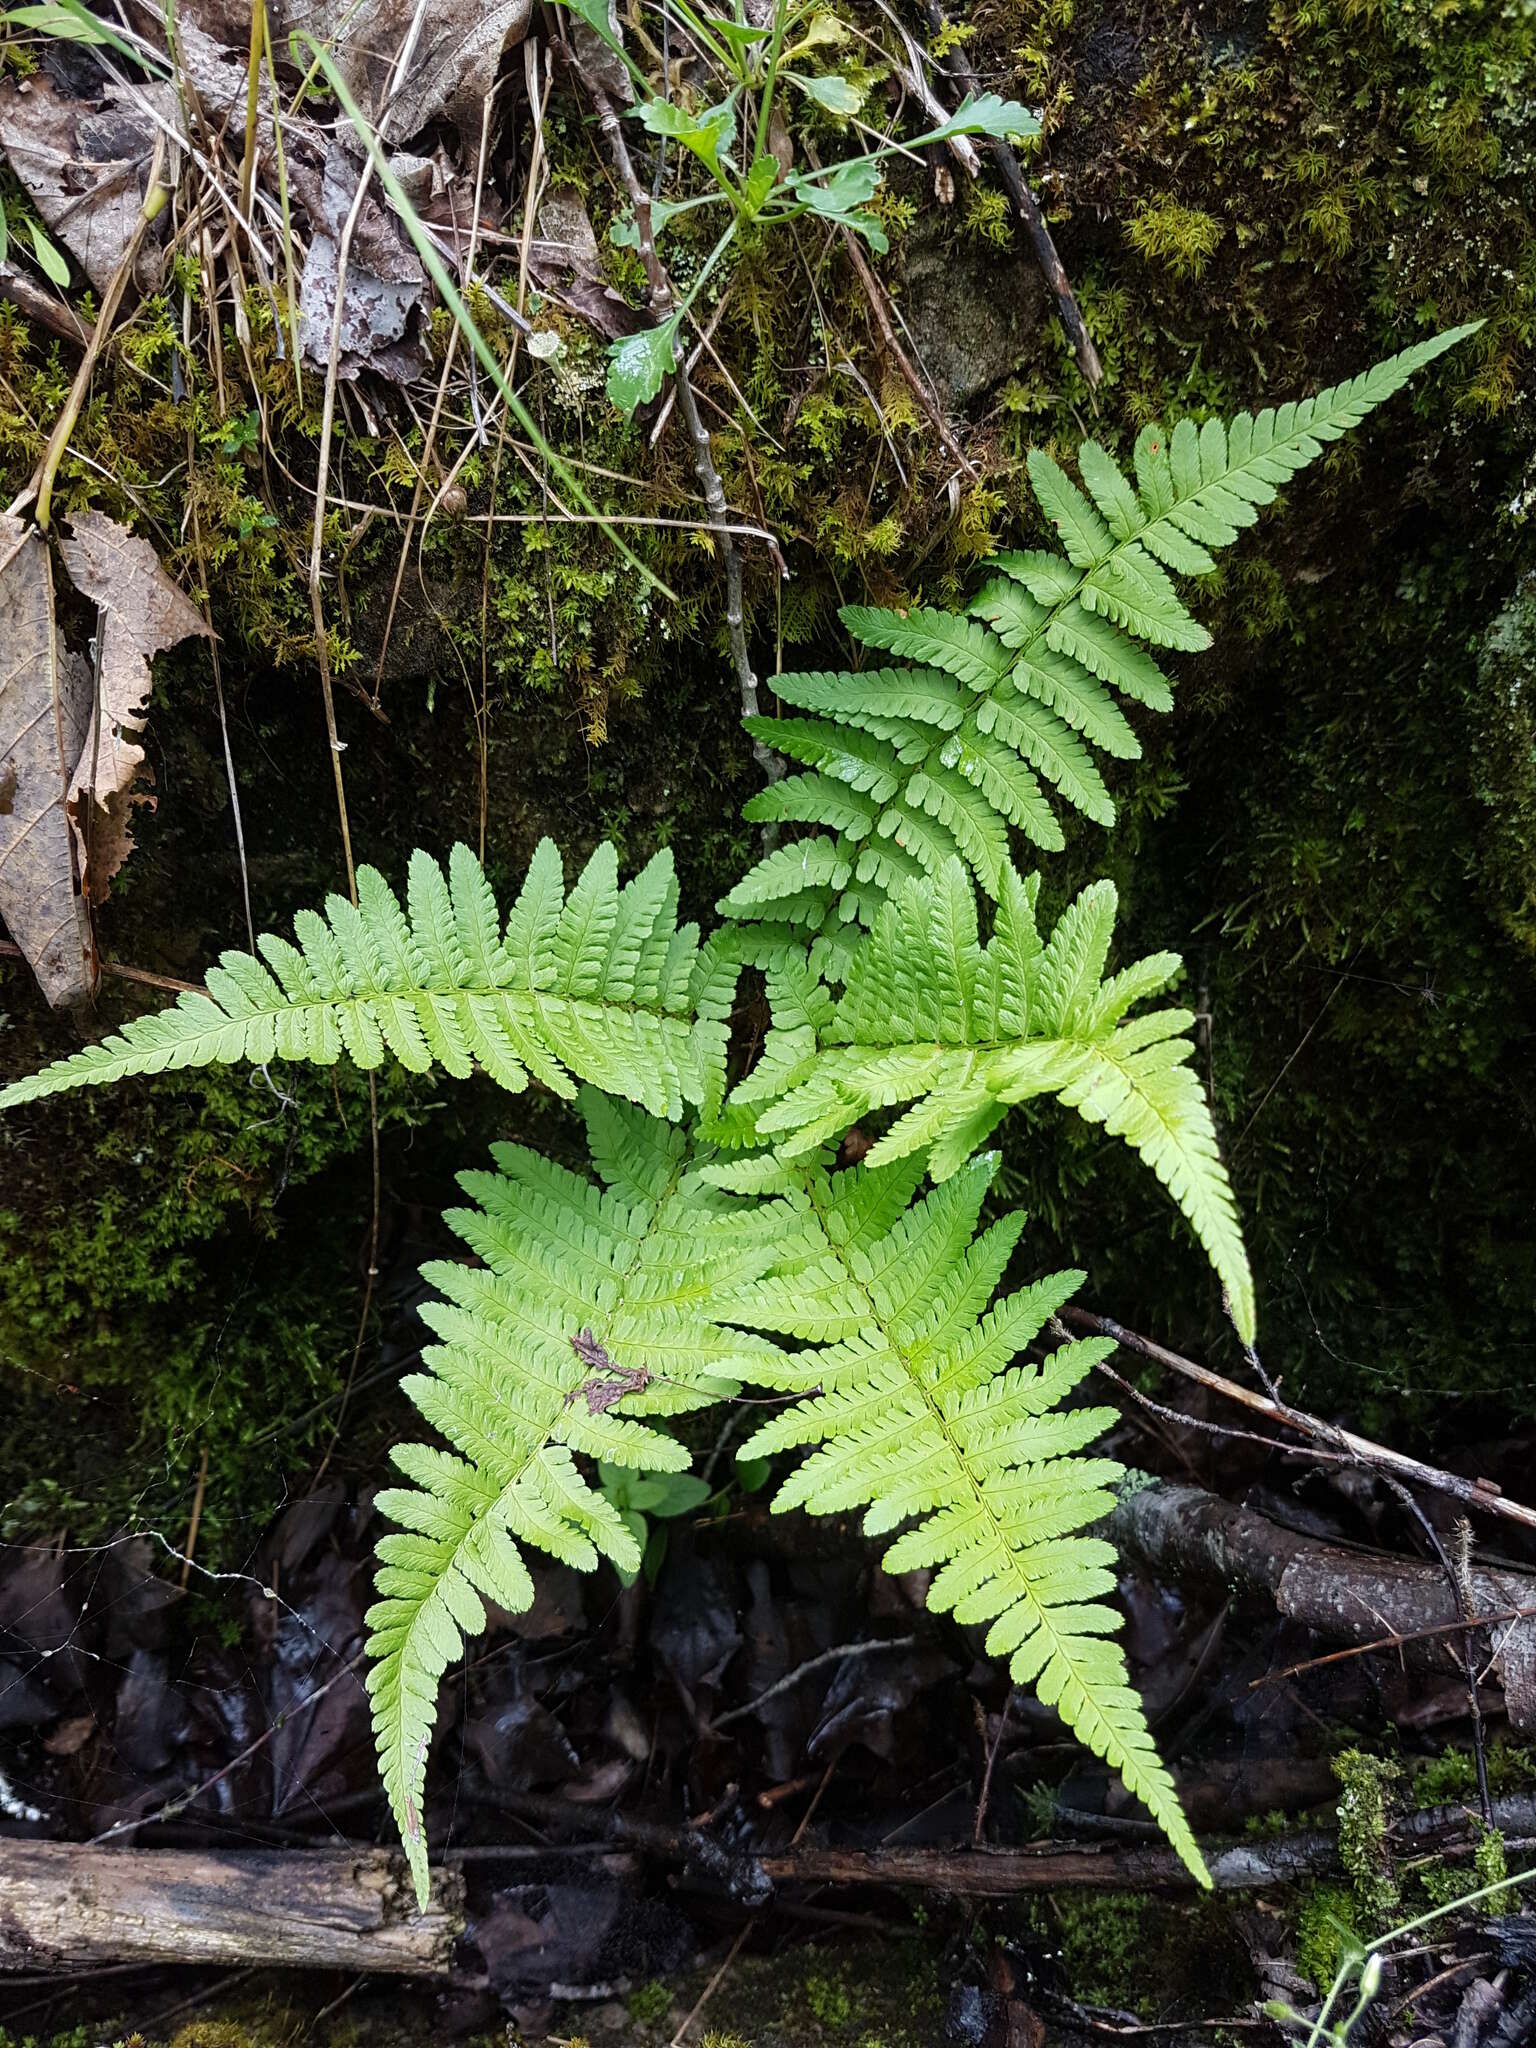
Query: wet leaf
(640, 363)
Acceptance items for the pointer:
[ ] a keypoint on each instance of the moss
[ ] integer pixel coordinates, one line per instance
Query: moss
(649, 2004)
(1368, 1783)
(829, 2000)
(1326, 1932)
(1182, 239)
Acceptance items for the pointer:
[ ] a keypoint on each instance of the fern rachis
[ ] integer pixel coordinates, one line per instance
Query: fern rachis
(913, 1410)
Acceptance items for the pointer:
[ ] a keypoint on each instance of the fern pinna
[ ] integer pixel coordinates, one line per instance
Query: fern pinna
(599, 985)
(596, 1307)
(592, 1306)
(915, 766)
(914, 1411)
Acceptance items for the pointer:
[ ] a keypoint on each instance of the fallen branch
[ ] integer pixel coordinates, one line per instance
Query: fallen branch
(68, 1904)
(42, 308)
(1342, 1594)
(1470, 1492)
(1259, 1865)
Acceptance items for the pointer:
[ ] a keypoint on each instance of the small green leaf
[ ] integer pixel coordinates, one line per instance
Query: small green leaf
(831, 90)
(625, 234)
(681, 1493)
(638, 364)
(55, 21)
(758, 184)
(824, 31)
(840, 195)
(5, 239)
(752, 1474)
(988, 115)
(53, 265)
(706, 134)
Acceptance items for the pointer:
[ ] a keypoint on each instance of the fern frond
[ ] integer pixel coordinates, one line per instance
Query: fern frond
(1035, 669)
(931, 1018)
(631, 1274)
(595, 986)
(913, 1411)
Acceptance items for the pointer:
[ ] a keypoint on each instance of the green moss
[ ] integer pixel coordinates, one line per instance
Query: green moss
(829, 2000)
(1326, 1932)
(649, 2004)
(1368, 1784)
(1182, 239)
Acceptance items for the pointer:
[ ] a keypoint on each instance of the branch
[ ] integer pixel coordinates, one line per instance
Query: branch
(1470, 1492)
(1342, 1594)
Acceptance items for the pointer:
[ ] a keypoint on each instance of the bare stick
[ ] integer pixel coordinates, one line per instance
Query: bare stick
(1467, 1491)
(793, 1678)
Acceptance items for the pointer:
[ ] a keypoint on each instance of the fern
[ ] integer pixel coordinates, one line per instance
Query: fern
(592, 1306)
(998, 715)
(913, 1411)
(596, 985)
(932, 1018)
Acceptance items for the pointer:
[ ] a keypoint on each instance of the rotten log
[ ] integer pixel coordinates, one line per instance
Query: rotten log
(1343, 1594)
(67, 1905)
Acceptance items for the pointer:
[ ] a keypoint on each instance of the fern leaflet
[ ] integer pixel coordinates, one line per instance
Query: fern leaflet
(592, 1306)
(913, 1410)
(995, 718)
(932, 1018)
(596, 985)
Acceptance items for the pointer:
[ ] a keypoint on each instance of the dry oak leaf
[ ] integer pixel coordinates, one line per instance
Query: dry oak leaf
(141, 614)
(44, 710)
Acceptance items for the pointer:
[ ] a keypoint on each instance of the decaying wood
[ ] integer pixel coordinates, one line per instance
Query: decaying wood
(1344, 1595)
(1259, 1865)
(68, 1905)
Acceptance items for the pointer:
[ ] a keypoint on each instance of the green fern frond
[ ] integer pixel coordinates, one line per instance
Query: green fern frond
(992, 722)
(932, 1018)
(597, 985)
(593, 1305)
(913, 1411)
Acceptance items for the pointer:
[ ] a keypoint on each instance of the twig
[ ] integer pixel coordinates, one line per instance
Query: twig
(190, 1546)
(1356, 1447)
(771, 764)
(1394, 1642)
(978, 1830)
(174, 1808)
(792, 1678)
(140, 975)
(713, 1985)
(1027, 207)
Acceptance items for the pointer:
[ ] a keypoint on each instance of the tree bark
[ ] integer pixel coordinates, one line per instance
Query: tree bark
(65, 1904)
(1344, 1595)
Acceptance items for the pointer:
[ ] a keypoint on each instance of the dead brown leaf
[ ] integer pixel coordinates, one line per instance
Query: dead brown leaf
(84, 164)
(141, 614)
(44, 709)
(71, 1736)
(457, 55)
